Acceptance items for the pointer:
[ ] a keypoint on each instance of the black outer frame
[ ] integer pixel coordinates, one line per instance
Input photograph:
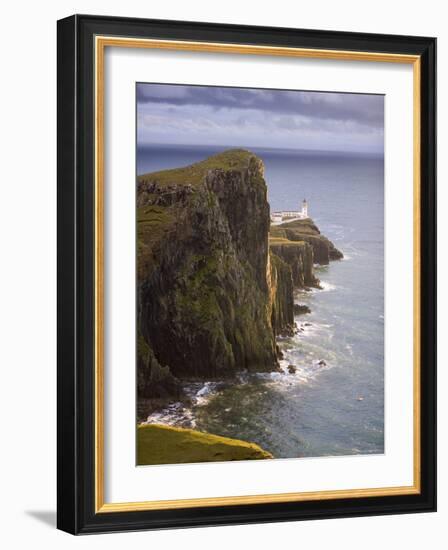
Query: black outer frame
(75, 403)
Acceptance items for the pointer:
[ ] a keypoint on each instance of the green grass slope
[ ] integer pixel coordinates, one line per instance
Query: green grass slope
(160, 444)
(232, 159)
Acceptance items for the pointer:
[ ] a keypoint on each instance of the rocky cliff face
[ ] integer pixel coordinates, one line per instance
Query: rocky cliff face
(203, 297)
(282, 296)
(214, 289)
(292, 266)
(299, 256)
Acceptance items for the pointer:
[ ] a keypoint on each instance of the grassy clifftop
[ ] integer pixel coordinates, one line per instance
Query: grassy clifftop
(232, 159)
(162, 197)
(159, 444)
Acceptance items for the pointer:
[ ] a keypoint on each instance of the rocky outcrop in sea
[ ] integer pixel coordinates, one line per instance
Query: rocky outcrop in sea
(306, 231)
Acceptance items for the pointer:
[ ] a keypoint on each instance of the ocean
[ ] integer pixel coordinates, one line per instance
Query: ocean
(335, 408)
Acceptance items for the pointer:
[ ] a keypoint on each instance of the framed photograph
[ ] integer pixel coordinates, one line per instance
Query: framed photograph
(246, 274)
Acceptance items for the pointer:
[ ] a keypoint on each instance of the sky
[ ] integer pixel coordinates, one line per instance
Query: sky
(249, 117)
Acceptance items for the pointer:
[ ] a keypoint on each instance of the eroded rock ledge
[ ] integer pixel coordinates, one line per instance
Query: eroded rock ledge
(307, 231)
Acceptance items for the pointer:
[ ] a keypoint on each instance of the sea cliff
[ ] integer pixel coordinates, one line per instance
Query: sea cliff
(215, 281)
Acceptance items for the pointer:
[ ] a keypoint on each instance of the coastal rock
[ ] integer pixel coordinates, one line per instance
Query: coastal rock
(204, 298)
(306, 230)
(299, 257)
(153, 380)
(282, 296)
(300, 309)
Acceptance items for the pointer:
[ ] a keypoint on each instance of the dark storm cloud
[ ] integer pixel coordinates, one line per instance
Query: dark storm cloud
(359, 109)
(180, 114)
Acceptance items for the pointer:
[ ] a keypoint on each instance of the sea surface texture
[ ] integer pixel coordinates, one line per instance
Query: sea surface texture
(334, 403)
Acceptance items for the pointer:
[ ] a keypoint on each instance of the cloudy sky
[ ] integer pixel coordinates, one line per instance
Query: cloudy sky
(199, 115)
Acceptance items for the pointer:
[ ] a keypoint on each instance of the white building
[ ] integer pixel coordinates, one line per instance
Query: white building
(290, 215)
(304, 209)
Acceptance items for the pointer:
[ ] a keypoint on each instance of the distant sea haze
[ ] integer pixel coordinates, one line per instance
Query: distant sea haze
(154, 157)
(338, 409)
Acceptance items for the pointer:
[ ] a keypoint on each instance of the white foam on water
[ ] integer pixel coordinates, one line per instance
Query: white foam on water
(326, 287)
(180, 414)
(303, 370)
(174, 414)
(308, 328)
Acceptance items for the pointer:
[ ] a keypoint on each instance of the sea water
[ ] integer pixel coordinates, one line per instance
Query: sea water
(334, 402)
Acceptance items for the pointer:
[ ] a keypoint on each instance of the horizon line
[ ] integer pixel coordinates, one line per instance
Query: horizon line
(227, 146)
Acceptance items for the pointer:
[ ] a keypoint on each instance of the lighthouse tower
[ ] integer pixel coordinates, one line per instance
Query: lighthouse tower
(304, 209)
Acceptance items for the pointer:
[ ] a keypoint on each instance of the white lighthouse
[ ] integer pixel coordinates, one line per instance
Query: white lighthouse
(304, 209)
(290, 215)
